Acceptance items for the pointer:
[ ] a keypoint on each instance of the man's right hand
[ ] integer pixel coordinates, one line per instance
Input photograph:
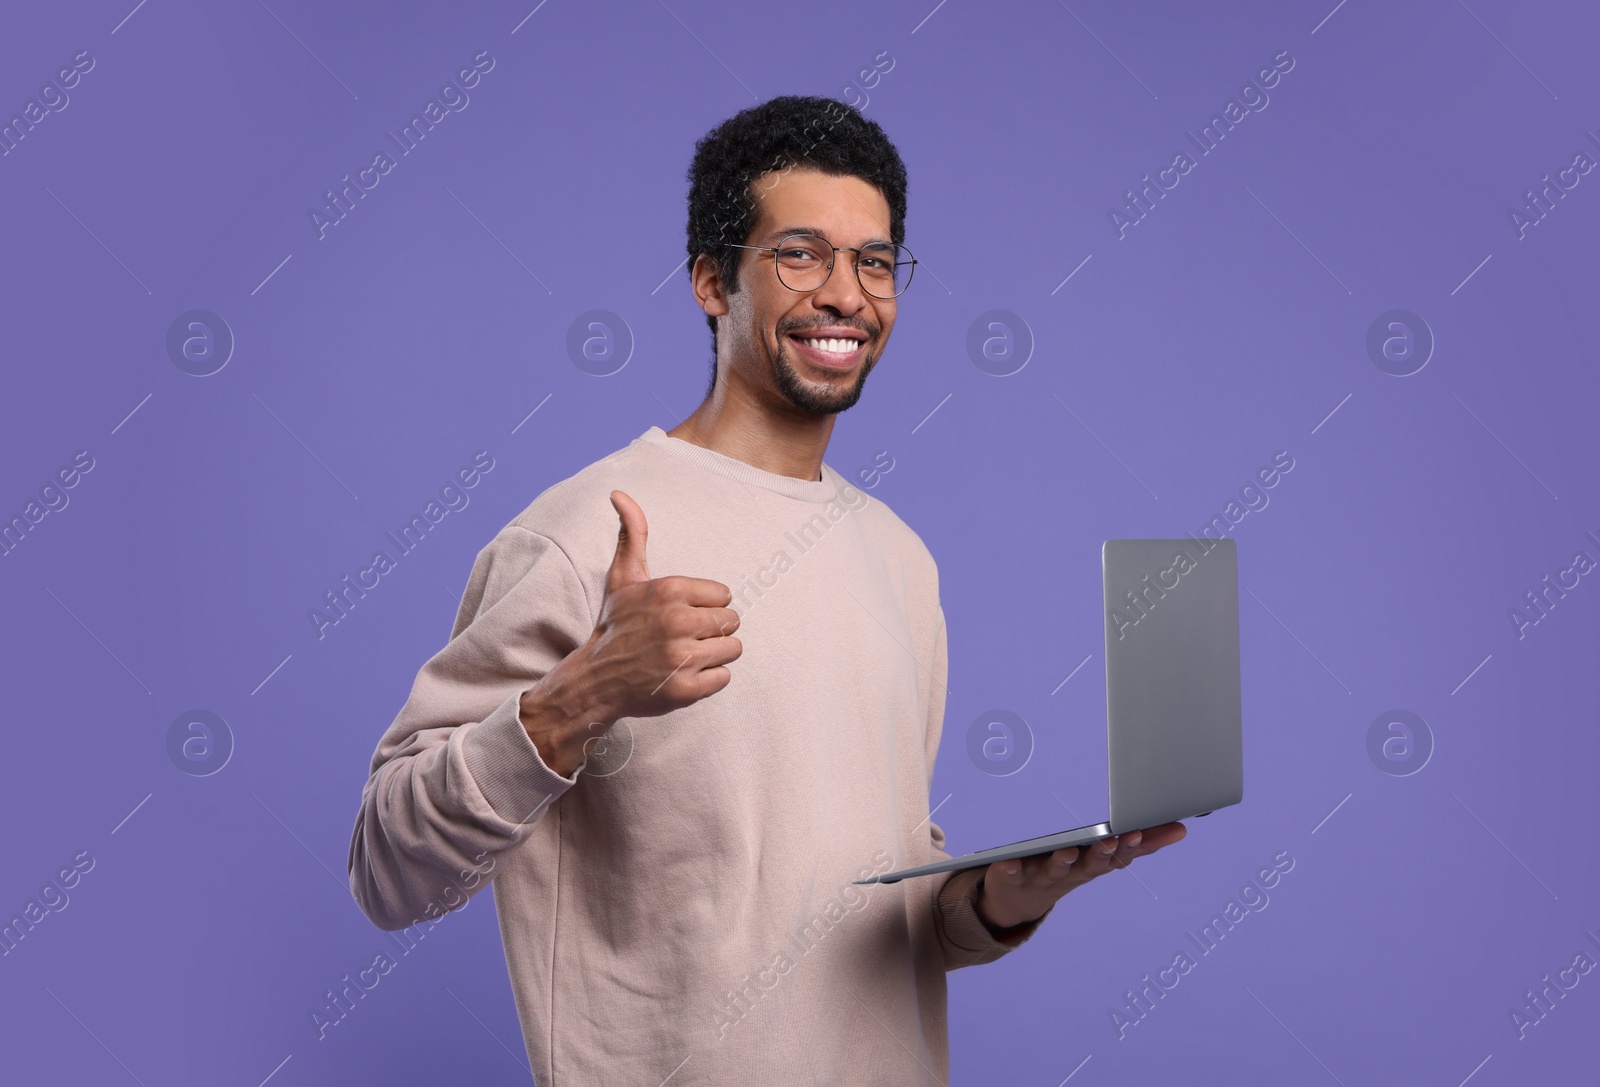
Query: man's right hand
(659, 645)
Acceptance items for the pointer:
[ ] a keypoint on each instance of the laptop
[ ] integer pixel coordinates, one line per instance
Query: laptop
(1173, 727)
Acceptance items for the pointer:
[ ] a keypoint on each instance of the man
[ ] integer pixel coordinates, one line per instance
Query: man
(697, 689)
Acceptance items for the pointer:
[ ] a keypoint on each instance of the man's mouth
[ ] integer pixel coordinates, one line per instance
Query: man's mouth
(830, 352)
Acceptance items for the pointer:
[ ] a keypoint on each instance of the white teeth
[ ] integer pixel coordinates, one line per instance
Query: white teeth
(833, 347)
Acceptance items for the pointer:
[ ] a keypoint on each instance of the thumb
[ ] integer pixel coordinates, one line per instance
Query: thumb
(628, 564)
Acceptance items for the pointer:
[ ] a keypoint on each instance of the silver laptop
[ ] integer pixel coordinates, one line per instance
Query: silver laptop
(1172, 693)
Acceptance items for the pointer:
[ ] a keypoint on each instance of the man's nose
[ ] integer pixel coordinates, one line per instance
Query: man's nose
(842, 292)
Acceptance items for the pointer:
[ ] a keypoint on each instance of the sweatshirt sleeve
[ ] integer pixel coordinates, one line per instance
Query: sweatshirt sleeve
(963, 937)
(456, 780)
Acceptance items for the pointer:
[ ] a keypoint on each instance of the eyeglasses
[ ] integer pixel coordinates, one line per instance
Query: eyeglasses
(804, 262)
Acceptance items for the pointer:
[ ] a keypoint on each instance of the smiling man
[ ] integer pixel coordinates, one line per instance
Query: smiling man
(672, 797)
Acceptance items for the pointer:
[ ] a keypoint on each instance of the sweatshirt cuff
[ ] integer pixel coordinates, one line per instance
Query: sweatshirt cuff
(505, 765)
(958, 906)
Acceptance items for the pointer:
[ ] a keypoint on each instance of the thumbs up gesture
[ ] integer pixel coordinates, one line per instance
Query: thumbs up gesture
(660, 644)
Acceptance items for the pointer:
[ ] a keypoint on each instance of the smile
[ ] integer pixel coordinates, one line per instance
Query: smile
(834, 354)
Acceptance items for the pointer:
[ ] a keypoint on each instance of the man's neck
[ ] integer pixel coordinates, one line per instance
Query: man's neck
(784, 444)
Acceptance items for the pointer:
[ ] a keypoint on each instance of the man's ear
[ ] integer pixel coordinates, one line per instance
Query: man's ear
(706, 279)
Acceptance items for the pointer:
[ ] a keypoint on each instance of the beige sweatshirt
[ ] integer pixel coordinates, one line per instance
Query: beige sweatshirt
(681, 907)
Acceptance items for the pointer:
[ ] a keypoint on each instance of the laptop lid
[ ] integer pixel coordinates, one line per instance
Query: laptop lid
(1173, 719)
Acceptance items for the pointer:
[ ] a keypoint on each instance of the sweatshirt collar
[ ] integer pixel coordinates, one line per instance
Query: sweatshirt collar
(807, 490)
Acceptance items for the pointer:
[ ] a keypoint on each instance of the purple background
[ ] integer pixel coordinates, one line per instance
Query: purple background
(1166, 368)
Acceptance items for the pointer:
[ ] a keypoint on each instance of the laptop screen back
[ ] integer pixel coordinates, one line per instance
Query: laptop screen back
(1172, 679)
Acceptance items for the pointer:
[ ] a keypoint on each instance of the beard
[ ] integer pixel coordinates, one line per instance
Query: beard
(816, 397)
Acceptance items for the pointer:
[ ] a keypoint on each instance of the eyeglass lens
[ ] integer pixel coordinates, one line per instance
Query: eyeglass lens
(803, 261)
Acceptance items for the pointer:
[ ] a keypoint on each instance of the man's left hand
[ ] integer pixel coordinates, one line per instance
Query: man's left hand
(1018, 891)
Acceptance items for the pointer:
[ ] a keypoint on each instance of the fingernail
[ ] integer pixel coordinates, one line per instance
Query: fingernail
(1012, 870)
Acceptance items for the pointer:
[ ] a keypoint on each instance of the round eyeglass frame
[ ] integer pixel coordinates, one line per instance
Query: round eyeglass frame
(776, 249)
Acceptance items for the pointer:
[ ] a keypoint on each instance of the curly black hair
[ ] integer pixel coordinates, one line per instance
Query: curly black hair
(783, 132)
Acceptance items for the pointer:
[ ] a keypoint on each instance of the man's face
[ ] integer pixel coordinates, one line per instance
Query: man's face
(768, 323)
